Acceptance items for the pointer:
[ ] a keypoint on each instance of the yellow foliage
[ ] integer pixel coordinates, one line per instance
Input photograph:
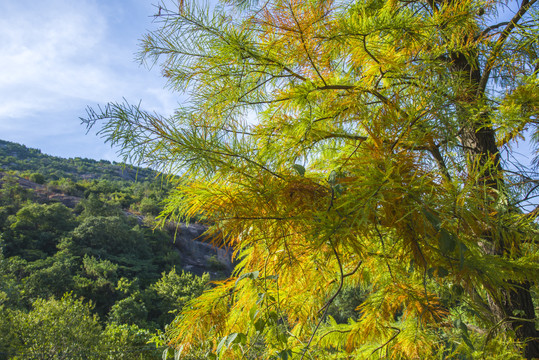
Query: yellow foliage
(342, 144)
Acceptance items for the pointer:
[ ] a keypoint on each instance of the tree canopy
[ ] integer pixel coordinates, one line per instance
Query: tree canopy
(83, 271)
(339, 145)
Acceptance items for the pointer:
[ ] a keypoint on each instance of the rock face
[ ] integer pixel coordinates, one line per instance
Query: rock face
(198, 254)
(43, 193)
(67, 200)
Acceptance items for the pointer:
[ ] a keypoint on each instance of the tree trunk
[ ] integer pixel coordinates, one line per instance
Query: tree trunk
(513, 308)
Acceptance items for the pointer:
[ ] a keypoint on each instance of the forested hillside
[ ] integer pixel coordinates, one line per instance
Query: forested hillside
(30, 161)
(83, 272)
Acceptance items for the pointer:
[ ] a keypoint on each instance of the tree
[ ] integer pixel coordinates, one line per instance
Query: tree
(129, 311)
(53, 329)
(128, 342)
(37, 178)
(174, 290)
(344, 144)
(66, 329)
(36, 229)
(108, 237)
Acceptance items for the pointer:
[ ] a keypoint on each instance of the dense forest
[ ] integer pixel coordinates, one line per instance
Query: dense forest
(84, 272)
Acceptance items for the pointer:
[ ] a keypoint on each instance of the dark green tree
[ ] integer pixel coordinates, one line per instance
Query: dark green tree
(38, 178)
(53, 329)
(36, 230)
(173, 291)
(131, 311)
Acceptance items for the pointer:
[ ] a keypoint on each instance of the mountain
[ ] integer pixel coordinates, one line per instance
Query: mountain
(78, 240)
(18, 157)
(76, 183)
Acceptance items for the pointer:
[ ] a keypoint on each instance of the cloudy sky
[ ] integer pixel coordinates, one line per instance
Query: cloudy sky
(60, 56)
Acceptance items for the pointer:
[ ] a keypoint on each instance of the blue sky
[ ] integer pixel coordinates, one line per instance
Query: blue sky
(60, 56)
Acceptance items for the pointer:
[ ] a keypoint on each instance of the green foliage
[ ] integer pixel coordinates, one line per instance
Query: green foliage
(346, 304)
(177, 289)
(9, 285)
(164, 256)
(66, 329)
(149, 206)
(129, 311)
(19, 157)
(127, 342)
(94, 206)
(108, 237)
(53, 329)
(36, 229)
(173, 291)
(37, 178)
(97, 251)
(11, 192)
(49, 277)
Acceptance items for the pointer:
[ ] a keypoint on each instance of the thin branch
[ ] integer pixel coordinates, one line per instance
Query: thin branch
(490, 28)
(387, 342)
(524, 7)
(326, 306)
(304, 45)
(367, 50)
(435, 152)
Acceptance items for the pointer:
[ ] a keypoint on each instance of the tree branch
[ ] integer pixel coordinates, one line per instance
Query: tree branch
(524, 7)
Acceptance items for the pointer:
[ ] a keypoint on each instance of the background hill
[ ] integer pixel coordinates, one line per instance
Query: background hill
(78, 239)
(18, 157)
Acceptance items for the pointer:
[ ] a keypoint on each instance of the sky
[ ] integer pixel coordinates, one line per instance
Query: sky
(57, 57)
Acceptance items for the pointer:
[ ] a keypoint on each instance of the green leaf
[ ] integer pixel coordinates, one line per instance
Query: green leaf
(442, 272)
(260, 324)
(433, 219)
(272, 316)
(462, 251)
(332, 321)
(227, 341)
(236, 338)
(460, 325)
(467, 340)
(250, 275)
(178, 353)
(299, 169)
(285, 354)
(457, 289)
(221, 344)
(230, 339)
(438, 271)
(253, 312)
(446, 242)
(332, 178)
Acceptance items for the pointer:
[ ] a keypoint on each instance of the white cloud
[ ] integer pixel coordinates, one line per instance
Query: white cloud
(46, 48)
(58, 50)
(58, 56)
